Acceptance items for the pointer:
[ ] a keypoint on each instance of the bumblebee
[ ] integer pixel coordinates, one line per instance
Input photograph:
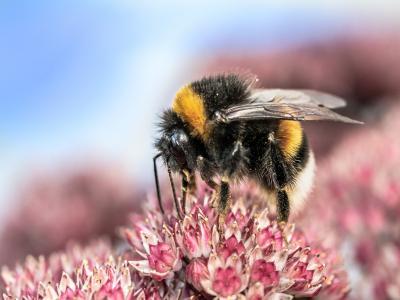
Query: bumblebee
(222, 127)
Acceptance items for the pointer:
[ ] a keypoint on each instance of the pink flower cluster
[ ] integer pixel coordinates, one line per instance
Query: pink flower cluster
(252, 259)
(169, 258)
(92, 272)
(360, 188)
(61, 275)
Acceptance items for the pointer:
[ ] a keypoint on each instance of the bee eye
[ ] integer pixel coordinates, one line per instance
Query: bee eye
(182, 138)
(179, 142)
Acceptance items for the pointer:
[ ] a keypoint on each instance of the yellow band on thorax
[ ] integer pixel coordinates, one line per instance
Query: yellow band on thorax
(189, 106)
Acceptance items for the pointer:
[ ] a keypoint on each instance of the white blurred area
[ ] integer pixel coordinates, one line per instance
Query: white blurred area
(86, 81)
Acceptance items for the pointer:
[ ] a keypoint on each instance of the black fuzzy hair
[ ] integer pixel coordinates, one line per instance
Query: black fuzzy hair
(169, 121)
(220, 91)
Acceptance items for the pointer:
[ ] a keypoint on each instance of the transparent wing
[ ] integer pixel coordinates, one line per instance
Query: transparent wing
(300, 105)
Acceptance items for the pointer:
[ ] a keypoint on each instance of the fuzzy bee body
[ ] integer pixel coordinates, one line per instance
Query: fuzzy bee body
(220, 126)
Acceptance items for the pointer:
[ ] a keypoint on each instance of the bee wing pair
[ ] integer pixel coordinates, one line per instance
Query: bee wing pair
(299, 105)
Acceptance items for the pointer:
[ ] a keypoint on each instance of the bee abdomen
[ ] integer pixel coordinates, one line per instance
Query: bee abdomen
(289, 136)
(302, 185)
(299, 161)
(280, 155)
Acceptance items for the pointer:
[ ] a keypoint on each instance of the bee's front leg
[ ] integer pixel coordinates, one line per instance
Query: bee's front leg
(207, 170)
(188, 185)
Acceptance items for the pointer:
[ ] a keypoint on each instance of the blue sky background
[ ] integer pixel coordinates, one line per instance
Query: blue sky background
(84, 79)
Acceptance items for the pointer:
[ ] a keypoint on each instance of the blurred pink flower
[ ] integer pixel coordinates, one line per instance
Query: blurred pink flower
(92, 272)
(52, 277)
(354, 66)
(74, 204)
(360, 185)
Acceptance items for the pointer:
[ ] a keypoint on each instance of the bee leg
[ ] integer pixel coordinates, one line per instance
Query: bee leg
(283, 208)
(212, 184)
(188, 185)
(185, 184)
(283, 211)
(223, 201)
(192, 186)
(207, 170)
(214, 194)
(277, 177)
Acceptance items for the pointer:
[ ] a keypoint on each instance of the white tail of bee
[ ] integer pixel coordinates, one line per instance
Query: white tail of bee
(303, 187)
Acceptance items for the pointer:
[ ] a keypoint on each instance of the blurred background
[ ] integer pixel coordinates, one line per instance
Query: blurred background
(82, 83)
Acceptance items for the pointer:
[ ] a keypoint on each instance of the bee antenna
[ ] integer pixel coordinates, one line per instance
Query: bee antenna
(157, 182)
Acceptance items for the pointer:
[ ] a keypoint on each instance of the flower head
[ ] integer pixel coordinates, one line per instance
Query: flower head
(227, 277)
(168, 258)
(161, 256)
(253, 257)
(76, 273)
(193, 234)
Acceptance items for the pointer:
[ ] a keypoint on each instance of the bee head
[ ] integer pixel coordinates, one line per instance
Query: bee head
(174, 143)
